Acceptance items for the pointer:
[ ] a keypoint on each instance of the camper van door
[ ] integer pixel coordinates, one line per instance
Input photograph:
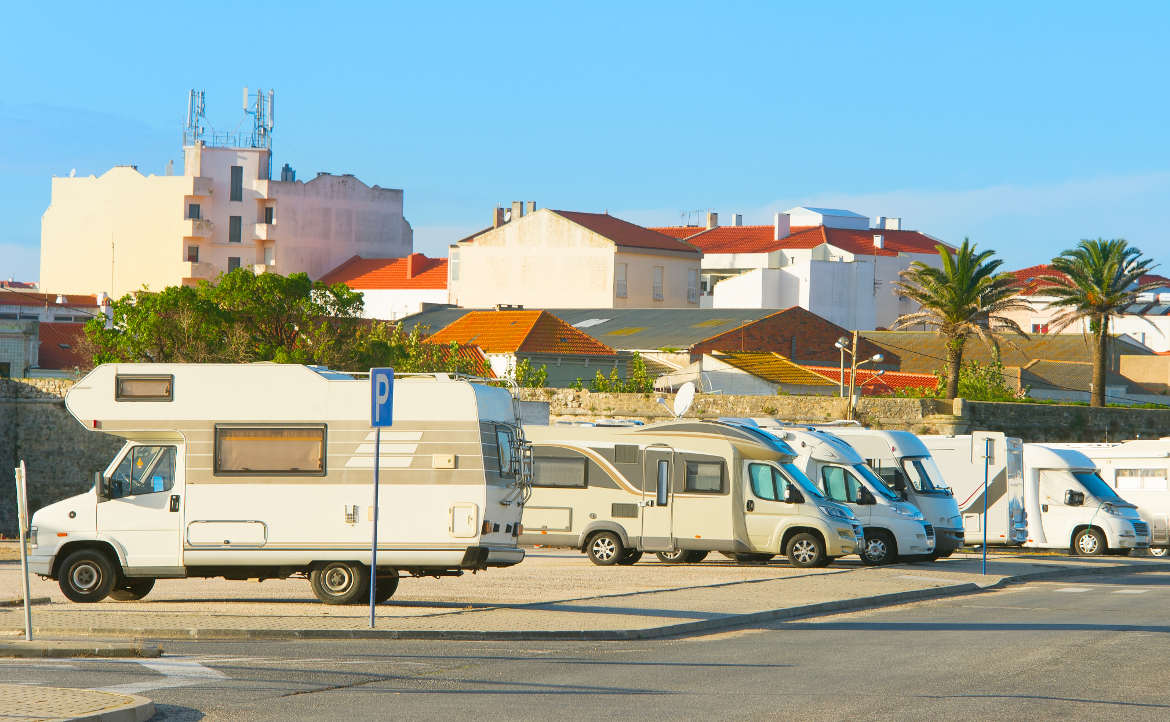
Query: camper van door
(142, 507)
(658, 500)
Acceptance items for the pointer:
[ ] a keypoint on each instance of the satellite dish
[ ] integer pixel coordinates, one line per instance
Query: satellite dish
(684, 398)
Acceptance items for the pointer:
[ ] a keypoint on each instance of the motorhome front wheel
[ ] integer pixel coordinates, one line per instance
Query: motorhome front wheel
(806, 550)
(87, 575)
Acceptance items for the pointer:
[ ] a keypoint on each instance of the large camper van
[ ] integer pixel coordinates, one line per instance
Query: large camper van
(961, 459)
(266, 471)
(1139, 470)
(680, 489)
(892, 527)
(907, 467)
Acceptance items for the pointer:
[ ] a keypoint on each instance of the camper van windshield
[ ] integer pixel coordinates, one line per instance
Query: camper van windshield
(875, 482)
(924, 475)
(794, 473)
(1097, 487)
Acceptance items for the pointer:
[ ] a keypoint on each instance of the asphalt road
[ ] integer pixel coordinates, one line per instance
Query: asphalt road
(1083, 649)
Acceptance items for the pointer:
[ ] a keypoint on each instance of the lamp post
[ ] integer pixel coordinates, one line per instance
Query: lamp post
(854, 364)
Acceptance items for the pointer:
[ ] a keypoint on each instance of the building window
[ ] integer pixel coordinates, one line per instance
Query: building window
(233, 263)
(454, 261)
(193, 211)
(268, 211)
(692, 285)
(269, 256)
(235, 224)
(270, 450)
(658, 273)
(619, 280)
(1039, 328)
(237, 190)
(192, 254)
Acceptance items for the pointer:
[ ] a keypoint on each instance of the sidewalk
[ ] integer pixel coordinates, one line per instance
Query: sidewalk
(554, 594)
(25, 703)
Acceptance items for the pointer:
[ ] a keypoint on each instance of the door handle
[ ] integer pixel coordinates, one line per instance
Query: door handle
(751, 505)
(174, 502)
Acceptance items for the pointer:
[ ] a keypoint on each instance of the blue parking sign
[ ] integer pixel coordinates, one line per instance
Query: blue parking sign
(381, 397)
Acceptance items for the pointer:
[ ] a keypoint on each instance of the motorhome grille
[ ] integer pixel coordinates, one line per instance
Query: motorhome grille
(625, 453)
(624, 511)
(1140, 527)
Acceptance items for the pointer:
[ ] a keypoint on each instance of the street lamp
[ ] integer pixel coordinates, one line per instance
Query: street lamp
(845, 347)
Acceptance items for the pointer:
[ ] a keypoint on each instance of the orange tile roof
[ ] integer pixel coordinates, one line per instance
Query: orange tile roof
(1030, 282)
(520, 331)
(761, 239)
(59, 347)
(9, 297)
(871, 383)
(624, 233)
(679, 232)
(413, 271)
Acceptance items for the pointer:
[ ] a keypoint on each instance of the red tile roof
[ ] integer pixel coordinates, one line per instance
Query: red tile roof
(520, 331)
(1029, 279)
(761, 239)
(10, 297)
(871, 383)
(413, 271)
(480, 366)
(60, 346)
(624, 233)
(680, 232)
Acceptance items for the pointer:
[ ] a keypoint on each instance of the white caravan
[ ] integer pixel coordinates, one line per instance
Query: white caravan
(1077, 508)
(681, 489)
(265, 471)
(902, 461)
(892, 527)
(1139, 469)
(961, 460)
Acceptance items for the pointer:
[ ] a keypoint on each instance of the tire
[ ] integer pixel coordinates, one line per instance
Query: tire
(340, 582)
(697, 555)
(87, 576)
(806, 550)
(385, 586)
(879, 548)
(132, 589)
(631, 557)
(682, 556)
(1088, 543)
(605, 549)
(753, 557)
(1158, 551)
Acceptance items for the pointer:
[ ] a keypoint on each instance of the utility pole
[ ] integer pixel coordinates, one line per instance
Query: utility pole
(852, 375)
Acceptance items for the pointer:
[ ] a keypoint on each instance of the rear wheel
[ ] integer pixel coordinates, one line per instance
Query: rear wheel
(87, 575)
(340, 582)
(385, 585)
(1088, 543)
(681, 556)
(1158, 551)
(605, 549)
(630, 557)
(878, 548)
(132, 589)
(806, 550)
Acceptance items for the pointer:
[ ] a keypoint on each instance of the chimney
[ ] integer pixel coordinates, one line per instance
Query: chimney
(879, 241)
(497, 217)
(712, 219)
(531, 208)
(891, 224)
(517, 210)
(737, 219)
(413, 264)
(781, 226)
(881, 222)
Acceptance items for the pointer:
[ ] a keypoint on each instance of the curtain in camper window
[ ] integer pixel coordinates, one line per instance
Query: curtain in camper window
(763, 482)
(269, 450)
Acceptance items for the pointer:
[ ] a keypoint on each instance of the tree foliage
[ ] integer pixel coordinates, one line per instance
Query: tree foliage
(638, 379)
(965, 297)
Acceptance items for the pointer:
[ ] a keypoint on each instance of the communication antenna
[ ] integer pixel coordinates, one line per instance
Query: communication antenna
(195, 126)
(259, 105)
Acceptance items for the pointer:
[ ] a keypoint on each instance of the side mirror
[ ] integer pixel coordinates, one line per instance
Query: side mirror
(793, 495)
(899, 483)
(865, 496)
(101, 485)
(1074, 498)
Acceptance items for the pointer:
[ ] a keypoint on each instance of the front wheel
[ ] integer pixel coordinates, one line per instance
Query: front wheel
(340, 582)
(806, 550)
(878, 548)
(1088, 543)
(1158, 551)
(605, 549)
(132, 590)
(87, 575)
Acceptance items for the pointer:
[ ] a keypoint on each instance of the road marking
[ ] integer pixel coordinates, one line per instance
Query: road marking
(1131, 591)
(173, 671)
(1072, 590)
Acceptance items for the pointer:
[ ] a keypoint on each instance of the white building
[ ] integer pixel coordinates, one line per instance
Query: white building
(828, 261)
(394, 287)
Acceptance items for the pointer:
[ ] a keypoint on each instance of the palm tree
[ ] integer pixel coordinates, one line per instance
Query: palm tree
(1095, 281)
(964, 298)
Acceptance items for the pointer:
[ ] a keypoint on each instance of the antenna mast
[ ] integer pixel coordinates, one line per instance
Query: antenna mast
(195, 126)
(259, 105)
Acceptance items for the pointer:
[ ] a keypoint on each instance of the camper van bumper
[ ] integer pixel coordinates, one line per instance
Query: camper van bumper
(947, 540)
(483, 557)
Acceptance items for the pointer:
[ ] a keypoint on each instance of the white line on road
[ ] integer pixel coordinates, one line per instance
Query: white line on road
(1072, 590)
(1131, 591)
(174, 671)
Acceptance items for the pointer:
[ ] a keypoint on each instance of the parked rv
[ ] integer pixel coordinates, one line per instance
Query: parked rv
(892, 527)
(680, 489)
(1139, 470)
(901, 460)
(264, 471)
(961, 460)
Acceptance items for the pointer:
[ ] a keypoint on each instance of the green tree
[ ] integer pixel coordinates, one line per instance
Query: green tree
(963, 298)
(529, 376)
(1094, 282)
(638, 377)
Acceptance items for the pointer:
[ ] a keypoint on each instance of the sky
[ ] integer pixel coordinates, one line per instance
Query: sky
(1023, 126)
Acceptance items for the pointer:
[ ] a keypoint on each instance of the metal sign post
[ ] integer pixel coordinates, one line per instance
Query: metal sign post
(381, 414)
(986, 466)
(21, 475)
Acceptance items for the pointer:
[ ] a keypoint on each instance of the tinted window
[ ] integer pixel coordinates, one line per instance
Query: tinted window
(763, 484)
(552, 471)
(704, 476)
(270, 450)
(505, 450)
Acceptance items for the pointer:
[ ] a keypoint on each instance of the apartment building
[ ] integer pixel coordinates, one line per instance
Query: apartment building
(569, 259)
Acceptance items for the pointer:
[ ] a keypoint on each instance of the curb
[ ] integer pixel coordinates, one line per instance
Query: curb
(60, 649)
(19, 601)
(607, 635)
(138, 709)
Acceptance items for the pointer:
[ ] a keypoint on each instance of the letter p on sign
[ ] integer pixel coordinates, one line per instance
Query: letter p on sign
(381, 397)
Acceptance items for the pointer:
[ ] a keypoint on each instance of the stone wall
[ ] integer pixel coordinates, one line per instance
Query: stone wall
(1054, 422)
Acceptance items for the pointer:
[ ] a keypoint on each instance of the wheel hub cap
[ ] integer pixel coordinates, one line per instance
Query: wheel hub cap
(337, 579)
(803, 551)
(85, 577)
(603, 548)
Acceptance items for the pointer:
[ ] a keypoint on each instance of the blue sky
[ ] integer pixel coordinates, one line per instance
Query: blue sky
(1025, 126)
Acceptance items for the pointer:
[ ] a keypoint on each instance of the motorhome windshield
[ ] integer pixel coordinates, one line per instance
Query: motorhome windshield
(796, 475)
(875, 482)
(1097, 487)
(924, 475)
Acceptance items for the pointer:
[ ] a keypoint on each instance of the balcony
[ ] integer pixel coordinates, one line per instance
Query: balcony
(197, 228)
(264, 232)
(195, 271)
(201, 186)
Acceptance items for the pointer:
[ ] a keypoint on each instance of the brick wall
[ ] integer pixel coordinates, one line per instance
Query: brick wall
(796, 333)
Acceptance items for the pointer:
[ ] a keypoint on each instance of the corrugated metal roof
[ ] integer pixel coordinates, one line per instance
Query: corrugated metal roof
(774, 368)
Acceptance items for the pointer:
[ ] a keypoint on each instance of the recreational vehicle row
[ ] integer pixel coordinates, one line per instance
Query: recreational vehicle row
(265, 471)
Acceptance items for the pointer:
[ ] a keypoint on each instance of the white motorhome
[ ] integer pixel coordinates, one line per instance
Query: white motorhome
(961, 460)
(1070, 507)
(681, 489)
(265, 471)
(1140, 470)
(892, 527)
(906, 466)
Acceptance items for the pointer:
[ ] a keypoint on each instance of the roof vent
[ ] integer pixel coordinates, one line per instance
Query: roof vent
(712, 219)
(737, 219)
(60, 300)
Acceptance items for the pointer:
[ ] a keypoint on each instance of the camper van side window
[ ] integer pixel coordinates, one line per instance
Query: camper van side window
(270, 450)
(505, 447)
(145, 470)
(1144, 479)
(558, 472)
(704, 476)
(763, 483)
(144, 388)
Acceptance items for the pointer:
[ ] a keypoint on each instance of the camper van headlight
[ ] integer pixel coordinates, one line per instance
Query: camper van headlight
(838, 512)
(909, 512)
(1112, 510)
